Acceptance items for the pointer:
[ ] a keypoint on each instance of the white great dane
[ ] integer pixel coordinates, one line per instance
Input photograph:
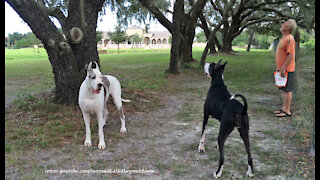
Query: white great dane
(93, 95)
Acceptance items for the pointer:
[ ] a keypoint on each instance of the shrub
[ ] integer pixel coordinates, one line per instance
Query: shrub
(242, 44)
(309, 46)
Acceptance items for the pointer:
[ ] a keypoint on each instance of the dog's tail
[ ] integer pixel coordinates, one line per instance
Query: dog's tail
(125, 100)
(245, 105)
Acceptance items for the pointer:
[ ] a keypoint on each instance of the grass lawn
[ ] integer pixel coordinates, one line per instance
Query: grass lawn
(163, 119)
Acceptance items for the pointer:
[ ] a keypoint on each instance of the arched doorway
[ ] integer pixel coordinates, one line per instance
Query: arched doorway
(153, 41)
(164, 41)
(146, 41)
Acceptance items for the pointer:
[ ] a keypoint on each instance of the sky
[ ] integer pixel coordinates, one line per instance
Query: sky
(13, 23)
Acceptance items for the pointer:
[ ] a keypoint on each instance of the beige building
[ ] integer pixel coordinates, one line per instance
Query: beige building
(151, 39)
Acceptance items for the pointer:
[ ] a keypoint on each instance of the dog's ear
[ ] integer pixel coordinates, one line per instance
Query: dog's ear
(95, 66)
(89, 69)
(217, 64)
(224, 64)
(90, 66)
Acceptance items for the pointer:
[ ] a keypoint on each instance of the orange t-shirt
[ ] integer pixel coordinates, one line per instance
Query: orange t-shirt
(286, 45)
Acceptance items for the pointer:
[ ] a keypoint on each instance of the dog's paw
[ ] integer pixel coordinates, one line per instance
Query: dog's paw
(87, 143)
(101, 145)
(249, 172)
(217, 175)
(123, 130)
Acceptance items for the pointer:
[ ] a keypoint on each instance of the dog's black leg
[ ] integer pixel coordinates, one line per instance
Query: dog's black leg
(244, 133)
(224, 132)
(204, 124)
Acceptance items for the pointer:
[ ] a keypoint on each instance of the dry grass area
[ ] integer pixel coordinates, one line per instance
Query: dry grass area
(164, 124)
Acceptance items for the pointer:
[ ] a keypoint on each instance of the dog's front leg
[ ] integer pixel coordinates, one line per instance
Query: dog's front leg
(201, 144)
(101, 123)
(205, 121)
(86, 118)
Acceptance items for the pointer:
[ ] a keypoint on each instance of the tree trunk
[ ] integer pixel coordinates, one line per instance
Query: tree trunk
(175, 28)
(227, 44)
(68, 55)
(66, 76)
(250, 41)
(204, 55)
(297, 39)
(216, 42)
(211, 44)
(210, 39)
(176, 37)
(186, 51)
(174, 54)
(212, 47)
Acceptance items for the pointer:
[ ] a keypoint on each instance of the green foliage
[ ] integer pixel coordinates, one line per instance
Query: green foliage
(242, 44)
(135, 39)
(15, 37)
(118, 36)
(22, 43)
(240, 40)
(260, 41)
(18, 40)
(128, 10)
(201, 37)
(307, 40)
(263, 41)
(309, 46)
(99, 36)
(33, 40)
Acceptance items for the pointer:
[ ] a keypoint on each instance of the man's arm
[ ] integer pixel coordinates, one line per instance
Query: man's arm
(285, 64)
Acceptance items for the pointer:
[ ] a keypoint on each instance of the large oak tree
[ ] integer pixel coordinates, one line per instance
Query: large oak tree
(182, 27)
(71, 50)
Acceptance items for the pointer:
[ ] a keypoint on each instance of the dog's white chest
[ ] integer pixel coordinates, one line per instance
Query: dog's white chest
(89, 102)
(91, 106)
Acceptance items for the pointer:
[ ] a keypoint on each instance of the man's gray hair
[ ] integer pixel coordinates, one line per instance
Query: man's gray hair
(292, 25)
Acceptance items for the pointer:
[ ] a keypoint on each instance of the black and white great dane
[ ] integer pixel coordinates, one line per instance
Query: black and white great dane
(230, 112)
(93, 96)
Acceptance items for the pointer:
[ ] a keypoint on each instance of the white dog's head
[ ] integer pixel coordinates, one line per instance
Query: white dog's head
(94, 77)
(210, 69)
(206, 69)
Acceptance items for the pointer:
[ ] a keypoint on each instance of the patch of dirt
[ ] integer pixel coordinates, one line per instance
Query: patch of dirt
(165, 140)
(11, 89)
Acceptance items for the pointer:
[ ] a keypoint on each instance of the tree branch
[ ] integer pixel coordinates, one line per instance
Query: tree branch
(255, 21)
(157, 14)
(57, 13)
(257, 6)
(197, 9)
(254, 8)
(204, 25)
(216, 7)
(52, 11)
(38, 21)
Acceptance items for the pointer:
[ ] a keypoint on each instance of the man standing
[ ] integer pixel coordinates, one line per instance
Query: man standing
(285, 60)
